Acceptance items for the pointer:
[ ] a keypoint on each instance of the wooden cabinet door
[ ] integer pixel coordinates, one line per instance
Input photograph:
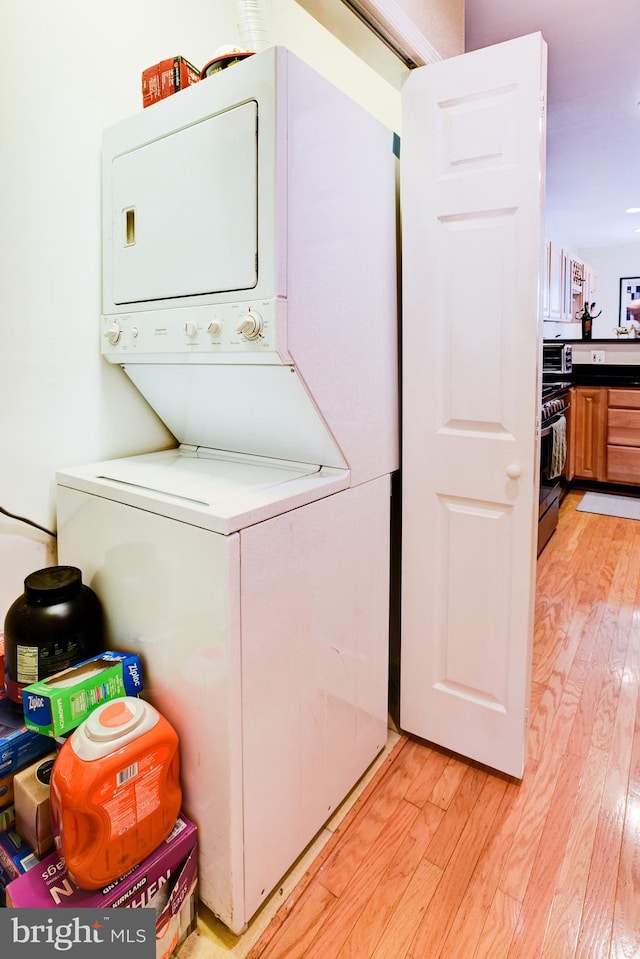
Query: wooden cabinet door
(570, 463)
(623, 436)
(589, 416)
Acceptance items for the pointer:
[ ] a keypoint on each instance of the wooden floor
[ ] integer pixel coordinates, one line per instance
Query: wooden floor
(442, 858)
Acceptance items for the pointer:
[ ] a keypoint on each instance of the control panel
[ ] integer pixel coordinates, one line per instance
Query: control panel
(225, 332)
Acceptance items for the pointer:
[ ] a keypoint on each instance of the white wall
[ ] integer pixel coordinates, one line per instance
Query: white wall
(75, 69)
(611, 263)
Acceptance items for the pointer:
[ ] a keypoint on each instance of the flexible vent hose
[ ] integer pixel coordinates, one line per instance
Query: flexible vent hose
(253, 25)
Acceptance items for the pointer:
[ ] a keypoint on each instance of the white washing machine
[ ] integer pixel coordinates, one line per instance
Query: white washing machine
(250, 294)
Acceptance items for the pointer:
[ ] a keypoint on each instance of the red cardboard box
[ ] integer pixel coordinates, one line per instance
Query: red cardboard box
(166, 880)
(167, 77)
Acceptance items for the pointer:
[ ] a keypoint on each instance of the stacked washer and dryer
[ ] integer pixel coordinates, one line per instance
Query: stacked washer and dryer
(250, 294)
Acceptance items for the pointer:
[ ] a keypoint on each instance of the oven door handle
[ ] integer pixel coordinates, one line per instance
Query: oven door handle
(556, 416)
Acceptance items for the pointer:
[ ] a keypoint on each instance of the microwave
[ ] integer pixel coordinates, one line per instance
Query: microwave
(557, 358)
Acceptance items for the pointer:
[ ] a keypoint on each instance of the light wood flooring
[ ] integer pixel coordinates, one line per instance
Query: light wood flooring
(442, 858)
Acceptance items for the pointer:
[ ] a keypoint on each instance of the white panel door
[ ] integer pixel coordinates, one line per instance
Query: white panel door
(472, 207)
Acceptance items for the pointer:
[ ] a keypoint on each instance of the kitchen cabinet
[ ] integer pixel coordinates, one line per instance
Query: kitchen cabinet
(590, 284)
(589, 417)
(623, 436)
(570, 461)
(546, 277)
(556, 274)
(568, 284)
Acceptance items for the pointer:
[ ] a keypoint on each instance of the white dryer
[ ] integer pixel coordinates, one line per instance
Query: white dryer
(250, 294)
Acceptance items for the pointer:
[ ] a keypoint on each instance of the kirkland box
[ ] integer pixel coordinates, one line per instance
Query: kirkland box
(167, 77)
(19, 746)
(58, 704)
(166, 880)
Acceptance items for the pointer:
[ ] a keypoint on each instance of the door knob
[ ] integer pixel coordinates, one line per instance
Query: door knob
(514, 471)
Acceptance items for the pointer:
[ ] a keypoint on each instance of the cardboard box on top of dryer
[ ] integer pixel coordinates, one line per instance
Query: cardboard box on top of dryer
(56, 705)
(19, 746)
(167, 77)
(166, 880)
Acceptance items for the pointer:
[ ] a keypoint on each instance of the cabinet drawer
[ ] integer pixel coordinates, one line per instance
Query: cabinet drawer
(627, 399)
(623, 465)
(623, 427)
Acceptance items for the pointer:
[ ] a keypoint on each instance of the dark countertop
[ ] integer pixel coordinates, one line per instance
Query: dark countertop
(608, 341)
(605, 374)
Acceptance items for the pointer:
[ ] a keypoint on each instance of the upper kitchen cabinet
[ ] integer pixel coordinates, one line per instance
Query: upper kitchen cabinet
(568, 284)
(590, 284)
(555, 282)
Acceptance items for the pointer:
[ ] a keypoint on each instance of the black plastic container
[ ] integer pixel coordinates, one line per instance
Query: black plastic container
(56, 623)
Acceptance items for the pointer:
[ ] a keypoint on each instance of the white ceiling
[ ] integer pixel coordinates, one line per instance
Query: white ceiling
(593, 95)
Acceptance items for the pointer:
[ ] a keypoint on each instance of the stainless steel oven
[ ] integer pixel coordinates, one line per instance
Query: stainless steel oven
(556, 403)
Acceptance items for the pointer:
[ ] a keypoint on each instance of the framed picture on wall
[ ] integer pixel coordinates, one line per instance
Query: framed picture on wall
(629, 290)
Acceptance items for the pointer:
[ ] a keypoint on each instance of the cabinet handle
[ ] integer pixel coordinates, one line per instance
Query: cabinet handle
(514, 471)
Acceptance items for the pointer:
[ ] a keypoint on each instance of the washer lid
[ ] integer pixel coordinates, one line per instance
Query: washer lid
(213, 489)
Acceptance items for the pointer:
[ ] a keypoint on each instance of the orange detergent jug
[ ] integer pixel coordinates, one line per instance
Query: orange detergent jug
(115, 791)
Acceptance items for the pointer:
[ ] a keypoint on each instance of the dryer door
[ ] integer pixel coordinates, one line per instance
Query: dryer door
(184, 211)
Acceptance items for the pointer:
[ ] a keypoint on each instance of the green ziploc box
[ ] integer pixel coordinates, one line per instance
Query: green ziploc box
(58, 704)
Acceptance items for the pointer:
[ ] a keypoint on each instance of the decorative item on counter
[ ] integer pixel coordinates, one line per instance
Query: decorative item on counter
(57, 622)
(32, 805)
(115, 791)
(166, 881)
(586, 318)
(56, 705)
(223, 58)
(167, 77)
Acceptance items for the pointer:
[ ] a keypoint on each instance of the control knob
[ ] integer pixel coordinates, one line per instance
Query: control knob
(214, 328)
(113, 333)
(251, 326)
(191, 328)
